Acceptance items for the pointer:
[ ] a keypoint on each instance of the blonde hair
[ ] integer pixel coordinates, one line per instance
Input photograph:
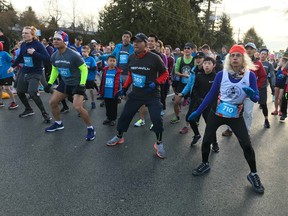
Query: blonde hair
(33, 31)
(246, 65)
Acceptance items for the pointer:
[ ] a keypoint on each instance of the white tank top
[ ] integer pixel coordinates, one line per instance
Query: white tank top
(233, 92)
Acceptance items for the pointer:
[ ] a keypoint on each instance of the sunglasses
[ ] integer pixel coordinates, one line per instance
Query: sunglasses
(58, 39)
(238, 55)
(187, 48)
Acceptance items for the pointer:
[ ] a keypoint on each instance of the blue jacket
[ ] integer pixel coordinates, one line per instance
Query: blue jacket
(5, 63)
(32, 63)
(116, 52)
(189, 86)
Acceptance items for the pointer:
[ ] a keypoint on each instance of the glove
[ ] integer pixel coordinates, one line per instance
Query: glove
(193, 116)
(280, 76)
(151, 86)
(249, 91)
(80, 90)
(47, 88)
(120, 93)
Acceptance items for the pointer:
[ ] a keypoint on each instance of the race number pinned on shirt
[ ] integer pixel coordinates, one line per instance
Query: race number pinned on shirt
(227, 110)
(28, 61)
(123, 59)
(109, 82)
(64, 72)
(138, 80)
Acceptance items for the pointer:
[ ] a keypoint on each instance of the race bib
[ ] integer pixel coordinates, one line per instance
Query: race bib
(109, 82)
(227, 110)
(64, 72)
(28, 61)
(123, 59)
(138, 80)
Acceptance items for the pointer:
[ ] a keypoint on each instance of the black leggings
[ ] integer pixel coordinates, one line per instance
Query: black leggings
(264, 109)
(164, 88)
(284, 105)
(238, 127)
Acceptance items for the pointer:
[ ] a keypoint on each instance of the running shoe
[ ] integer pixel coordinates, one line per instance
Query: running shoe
(13, 105)
(106, 122)
(283, 117)
(27, 112)
(90, 134)
(201, 169)
(47, 118)
(2, 104)
(256, 183)
(215, 147)
(54, 127)
(274, 112)
(195, 139)
(139, 123)
(160, 151)
(184, 130)
(64, 110)
(227, 133)
(266, 124)
(175, 120)
(93, 105)
(102, 104)
(115, 141)
(112, 123)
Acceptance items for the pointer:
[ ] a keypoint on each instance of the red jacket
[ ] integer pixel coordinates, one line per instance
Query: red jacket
(260, 74)
(117, 83)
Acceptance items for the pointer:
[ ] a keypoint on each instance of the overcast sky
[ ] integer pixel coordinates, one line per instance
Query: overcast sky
(268, 17)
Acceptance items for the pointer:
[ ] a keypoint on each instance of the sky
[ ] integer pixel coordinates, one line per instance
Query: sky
(266, 16)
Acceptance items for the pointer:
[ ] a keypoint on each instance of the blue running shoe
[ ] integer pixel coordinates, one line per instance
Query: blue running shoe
(54, 127)
(91, 134)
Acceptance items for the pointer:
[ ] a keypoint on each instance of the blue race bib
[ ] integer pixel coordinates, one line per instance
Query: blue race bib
(109, 82)
(123, 59)
(64, 72)
(138, 80)
(28, 61)
(227, 110)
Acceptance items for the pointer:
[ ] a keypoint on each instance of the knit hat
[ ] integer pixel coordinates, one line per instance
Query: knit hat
(1, 46)
(62, 35)
(237, 48)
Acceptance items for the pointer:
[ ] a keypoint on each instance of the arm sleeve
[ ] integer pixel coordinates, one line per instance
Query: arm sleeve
(211, 94)
(54, 75)
(189, 85)
(253, 85)
(84, 73)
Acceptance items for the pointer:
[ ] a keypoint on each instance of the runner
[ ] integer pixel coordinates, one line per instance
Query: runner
(146, 71)
(235, 83)
(73, 70)
(32, 54)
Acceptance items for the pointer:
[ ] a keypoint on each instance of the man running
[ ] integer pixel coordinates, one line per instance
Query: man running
(73, 70)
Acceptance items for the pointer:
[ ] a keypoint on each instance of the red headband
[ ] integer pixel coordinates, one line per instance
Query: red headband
(237, 48)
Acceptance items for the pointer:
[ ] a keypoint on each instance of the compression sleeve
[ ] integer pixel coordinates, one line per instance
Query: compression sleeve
(84, 73)
(54, 75)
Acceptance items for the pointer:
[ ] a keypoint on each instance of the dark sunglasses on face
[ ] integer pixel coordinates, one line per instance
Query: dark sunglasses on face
(187, 48)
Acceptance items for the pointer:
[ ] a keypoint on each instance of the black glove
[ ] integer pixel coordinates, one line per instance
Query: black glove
(80, 90)
(47, 88)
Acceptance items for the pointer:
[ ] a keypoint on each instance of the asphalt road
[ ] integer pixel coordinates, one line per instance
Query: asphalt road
(62, 174)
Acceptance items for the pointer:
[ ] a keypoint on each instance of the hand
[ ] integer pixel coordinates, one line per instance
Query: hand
(180, 94)
(249, 91)
(30, 51)
(193, 116)
(120, 93)
(281, 76)
(79, 90)
(150, 87)
(10, 70)
(47, 88)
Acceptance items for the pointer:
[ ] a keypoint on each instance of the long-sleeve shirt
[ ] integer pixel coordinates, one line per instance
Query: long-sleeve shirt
(261, 74)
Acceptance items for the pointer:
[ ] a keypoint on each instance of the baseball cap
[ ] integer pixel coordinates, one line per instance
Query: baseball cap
(140, 37)
(264, 50)
(62, 35)
(191, 45)
(199, 55)
(93, 41)
(250, 44)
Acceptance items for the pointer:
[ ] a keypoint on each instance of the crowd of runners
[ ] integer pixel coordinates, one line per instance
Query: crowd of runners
(140, 71)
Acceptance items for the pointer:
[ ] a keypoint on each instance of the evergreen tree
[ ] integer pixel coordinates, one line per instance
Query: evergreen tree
(224, 34)
(28, 18)
(252, 36)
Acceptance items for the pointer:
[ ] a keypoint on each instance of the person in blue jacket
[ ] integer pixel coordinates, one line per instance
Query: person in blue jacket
(6, 78)
(32, 54)
(232, 85)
